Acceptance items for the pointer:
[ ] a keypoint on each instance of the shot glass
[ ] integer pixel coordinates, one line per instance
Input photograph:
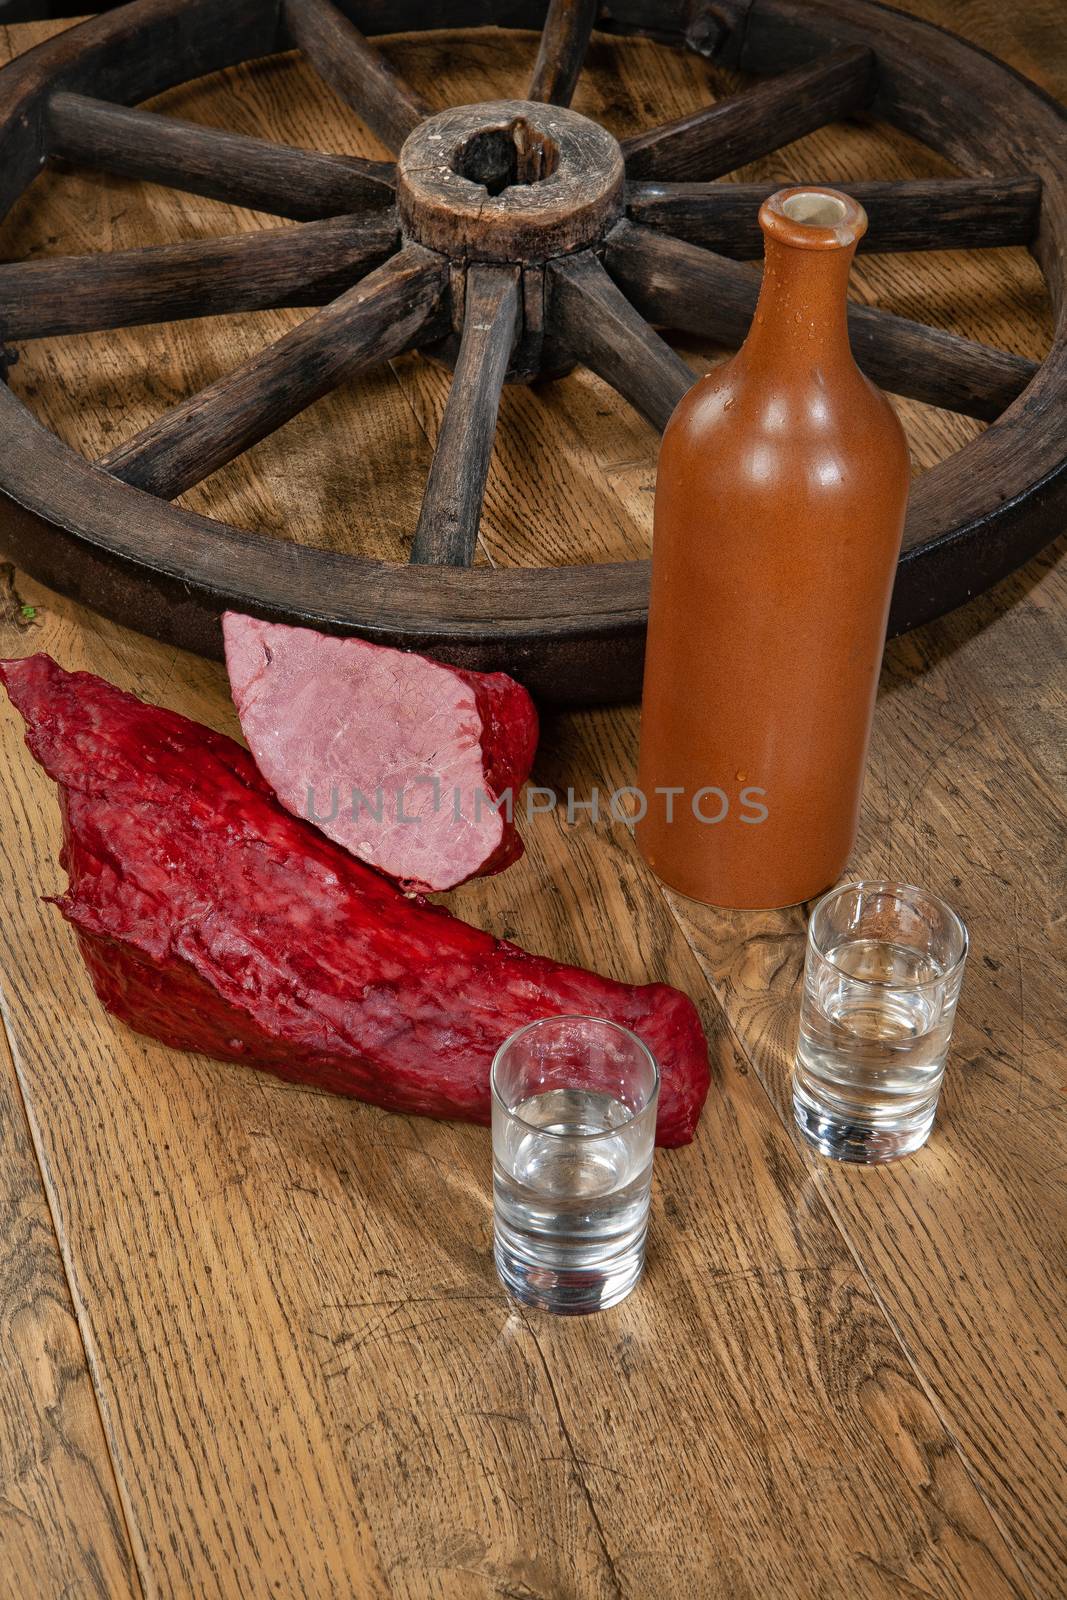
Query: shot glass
(574, 1125)
(881, 980)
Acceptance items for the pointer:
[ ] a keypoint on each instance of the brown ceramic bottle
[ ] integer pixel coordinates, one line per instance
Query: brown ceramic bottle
(780, 499)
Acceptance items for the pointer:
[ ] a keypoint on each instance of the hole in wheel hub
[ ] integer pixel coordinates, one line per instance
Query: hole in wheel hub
(509, 180)
(501, 158)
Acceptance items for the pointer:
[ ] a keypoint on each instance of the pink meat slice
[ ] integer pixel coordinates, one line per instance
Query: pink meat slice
(214, 920)
(411, 765)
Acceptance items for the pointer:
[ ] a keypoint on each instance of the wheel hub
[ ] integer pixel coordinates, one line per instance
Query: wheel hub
(509, 180)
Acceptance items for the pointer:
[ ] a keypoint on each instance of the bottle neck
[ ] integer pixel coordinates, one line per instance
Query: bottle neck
(802, 312)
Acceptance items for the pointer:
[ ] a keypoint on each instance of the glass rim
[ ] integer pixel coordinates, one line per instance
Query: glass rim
(575, 1016)
(897, 888)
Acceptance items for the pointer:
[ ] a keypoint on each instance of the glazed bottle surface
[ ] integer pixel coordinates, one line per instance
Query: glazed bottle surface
(780, 499)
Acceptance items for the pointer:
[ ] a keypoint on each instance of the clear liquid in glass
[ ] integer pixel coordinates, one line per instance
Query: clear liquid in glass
(875, 1027)
(571, 1214)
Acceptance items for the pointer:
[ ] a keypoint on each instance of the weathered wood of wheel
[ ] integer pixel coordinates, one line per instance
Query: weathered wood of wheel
(515, 238)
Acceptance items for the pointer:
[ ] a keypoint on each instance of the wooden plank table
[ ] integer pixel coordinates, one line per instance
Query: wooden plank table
(251, 1341)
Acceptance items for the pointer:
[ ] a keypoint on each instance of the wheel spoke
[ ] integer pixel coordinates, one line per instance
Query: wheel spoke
(934, 214)
(599, 326)
(682, 286)
(564, 41)
(277, 178)
(356, 68)
(396, 307)
(721, 137)
(452, 505)
(299, 266)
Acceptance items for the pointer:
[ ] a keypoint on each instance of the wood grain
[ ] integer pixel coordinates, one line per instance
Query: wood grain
(356, 69)
(248, 272)
(726, 135)
(561, 51)
(447, 532)
(311, 1385)
(327, 1271)
(600, 326)
(62, 1526)
(396, 307)
(232, 167)
(931, 214)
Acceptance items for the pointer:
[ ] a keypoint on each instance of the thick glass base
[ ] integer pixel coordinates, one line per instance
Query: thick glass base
(842, 1138)
(568, 1291)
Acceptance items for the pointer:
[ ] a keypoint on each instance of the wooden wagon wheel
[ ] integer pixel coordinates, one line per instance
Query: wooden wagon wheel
(518, 236)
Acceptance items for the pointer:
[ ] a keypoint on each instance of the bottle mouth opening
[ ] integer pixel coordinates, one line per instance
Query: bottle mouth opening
(819, 210)
(813, 218)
